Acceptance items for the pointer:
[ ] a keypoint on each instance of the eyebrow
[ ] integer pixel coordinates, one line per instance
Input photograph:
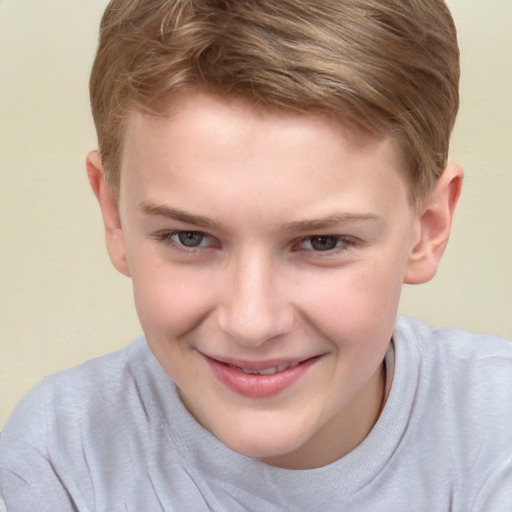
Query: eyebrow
(331, 221)
(150, 208)
(306, 225)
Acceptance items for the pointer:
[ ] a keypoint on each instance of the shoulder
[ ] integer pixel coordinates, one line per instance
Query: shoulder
(470, 365)
(94, 383)
(451, 339)
(464, 400)
(85, 429)
(450, 349)
(63, 407)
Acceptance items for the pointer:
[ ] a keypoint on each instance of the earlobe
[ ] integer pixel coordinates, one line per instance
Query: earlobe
(114, 236)
(435, 222)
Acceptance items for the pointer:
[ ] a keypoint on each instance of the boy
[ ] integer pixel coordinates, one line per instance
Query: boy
(269, 174)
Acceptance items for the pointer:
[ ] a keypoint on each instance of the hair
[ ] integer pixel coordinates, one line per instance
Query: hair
(384, 66)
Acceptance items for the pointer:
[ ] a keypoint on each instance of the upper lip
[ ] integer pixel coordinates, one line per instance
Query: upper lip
(259, 365)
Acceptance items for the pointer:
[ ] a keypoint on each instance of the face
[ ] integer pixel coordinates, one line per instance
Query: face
(267, 251)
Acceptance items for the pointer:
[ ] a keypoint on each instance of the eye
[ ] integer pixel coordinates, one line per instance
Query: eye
(186, 240)
(189, 238)
(325, 243)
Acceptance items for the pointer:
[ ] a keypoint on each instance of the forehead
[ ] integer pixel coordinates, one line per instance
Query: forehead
(220, 143)
(208, 113)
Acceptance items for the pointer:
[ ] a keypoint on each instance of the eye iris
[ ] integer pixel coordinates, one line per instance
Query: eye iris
(190, 238)
(324, 243)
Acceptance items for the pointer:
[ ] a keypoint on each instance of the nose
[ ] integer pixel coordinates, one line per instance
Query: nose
(255, 307)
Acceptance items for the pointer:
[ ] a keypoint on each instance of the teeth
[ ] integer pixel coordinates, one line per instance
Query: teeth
(252, 372)
(268, 371)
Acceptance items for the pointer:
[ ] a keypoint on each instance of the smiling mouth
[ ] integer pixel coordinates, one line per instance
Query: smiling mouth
(266, 371)
(260, 380)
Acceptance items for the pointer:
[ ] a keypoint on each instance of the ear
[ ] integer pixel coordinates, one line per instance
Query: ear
(435, 220)
(114, 237)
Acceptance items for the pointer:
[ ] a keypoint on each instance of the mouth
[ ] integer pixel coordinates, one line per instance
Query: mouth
(271, 370)
(259, 379)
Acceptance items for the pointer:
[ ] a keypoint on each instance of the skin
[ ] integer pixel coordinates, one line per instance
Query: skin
(256, 191)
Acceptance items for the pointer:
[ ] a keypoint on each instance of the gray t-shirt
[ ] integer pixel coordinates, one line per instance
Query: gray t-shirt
(112, 435)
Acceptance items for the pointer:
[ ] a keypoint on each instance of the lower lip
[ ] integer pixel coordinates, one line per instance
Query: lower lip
(256, 385)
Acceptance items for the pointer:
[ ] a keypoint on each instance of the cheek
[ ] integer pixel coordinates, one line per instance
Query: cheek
(353, 304)
(170, 300)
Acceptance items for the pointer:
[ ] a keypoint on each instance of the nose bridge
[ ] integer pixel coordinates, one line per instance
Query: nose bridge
(255, 308)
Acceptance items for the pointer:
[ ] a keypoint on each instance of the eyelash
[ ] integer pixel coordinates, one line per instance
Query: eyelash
(343, 243)
(167, 237)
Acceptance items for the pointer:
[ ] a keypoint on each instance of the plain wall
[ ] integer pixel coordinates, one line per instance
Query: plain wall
(61, 302)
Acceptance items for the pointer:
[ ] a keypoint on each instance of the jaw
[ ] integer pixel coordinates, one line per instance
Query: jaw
(342, 433)
(291, 430)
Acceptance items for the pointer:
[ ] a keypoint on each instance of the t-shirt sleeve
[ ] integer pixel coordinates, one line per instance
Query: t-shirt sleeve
(28, 479)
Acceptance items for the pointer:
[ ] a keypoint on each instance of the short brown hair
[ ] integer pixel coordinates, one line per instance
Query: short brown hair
(386, 66)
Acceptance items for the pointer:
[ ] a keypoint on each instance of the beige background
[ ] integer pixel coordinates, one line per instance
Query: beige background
(60, 300)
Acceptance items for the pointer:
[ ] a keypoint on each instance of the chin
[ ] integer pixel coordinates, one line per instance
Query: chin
(265, 443)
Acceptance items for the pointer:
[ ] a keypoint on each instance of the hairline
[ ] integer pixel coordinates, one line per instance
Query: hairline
(355, 131)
